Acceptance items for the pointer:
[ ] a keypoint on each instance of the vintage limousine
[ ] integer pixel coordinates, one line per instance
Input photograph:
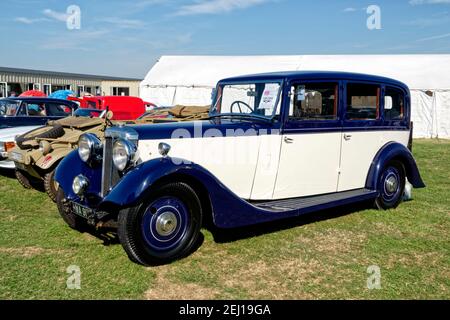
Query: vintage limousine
(275, 146)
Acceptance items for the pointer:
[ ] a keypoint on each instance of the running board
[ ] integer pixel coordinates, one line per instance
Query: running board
(317, 202)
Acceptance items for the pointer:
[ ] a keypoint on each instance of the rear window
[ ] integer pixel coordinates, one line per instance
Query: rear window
(394, 104)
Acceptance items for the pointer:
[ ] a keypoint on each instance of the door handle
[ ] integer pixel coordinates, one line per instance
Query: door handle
(288, 140)
(347, 137)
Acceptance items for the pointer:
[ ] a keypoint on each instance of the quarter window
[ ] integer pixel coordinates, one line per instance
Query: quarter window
(363, 102)
(314, 101)
(394, 104)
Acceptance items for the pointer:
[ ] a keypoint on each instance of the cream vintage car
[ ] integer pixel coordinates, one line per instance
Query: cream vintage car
(276, 145)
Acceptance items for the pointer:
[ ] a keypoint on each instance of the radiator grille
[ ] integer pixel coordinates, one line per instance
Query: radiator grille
(110, 175)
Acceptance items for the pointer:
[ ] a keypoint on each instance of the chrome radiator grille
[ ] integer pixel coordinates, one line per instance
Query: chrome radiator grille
(110, 175)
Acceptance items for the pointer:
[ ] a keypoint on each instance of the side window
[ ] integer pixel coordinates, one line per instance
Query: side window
(58, 110)
(394, 104)
(23, 110)
(314, 101)
(363, 101)
(36, 110)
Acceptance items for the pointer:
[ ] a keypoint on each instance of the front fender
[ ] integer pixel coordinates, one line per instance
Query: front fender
(390, 151)
(49, 160)
(133, 187)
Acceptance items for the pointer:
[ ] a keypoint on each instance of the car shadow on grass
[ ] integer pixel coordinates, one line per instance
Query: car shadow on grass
(10, 173)
(231, 235)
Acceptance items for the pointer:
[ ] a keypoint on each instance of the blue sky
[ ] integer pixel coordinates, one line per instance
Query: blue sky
(125, 38)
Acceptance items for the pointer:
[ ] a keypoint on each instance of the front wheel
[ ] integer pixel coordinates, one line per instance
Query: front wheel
(391, 186)
(50, 185)
(164, 227)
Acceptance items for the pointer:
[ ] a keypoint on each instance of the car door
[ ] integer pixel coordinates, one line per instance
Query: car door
(362, 134)
(311, 141)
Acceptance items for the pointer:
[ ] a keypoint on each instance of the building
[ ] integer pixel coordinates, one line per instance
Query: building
(190, 80)
(13, 80)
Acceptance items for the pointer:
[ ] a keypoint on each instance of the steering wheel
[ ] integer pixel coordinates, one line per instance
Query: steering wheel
(239, 103)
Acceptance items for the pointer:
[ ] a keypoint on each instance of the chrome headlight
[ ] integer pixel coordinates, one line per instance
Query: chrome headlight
(44, 147)
(89, 147)
(80, 185)
(124, 154)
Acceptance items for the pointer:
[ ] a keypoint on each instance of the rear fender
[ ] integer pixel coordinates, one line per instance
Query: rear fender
(389, 152)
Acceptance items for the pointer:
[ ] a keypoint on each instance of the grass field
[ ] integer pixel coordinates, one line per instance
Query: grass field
(320, 256)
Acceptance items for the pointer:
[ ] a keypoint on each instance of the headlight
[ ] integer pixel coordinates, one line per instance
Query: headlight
(89, 147)
(124, 153)
(80, 185)
(44, 147)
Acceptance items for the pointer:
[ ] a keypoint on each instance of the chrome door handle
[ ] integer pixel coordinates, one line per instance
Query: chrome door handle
(288, 140)
(347, 137)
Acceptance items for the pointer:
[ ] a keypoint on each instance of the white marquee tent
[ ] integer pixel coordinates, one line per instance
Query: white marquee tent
(189, 80)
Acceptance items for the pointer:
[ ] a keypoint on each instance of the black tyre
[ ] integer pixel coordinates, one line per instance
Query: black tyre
(23, 179)
(391, 186)
(73, 221)
(48, 132)
(163, 228)
(50, 185)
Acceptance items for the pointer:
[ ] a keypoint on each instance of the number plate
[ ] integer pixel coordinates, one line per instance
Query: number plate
(82, 211)
(16, 156)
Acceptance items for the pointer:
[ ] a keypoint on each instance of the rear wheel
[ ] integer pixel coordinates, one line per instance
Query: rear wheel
(65, 210)
(50, 185)
(164, 227)
(391, 186)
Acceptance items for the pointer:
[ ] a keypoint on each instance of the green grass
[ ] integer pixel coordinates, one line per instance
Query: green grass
(304, 258)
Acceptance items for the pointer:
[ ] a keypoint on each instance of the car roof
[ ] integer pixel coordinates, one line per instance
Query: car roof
(41, 99)
(315, 75)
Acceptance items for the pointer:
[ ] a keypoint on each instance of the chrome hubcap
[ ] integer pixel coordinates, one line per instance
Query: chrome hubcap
(391, 184)
(166, 224)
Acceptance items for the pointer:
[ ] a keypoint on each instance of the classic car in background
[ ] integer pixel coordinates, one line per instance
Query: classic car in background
(38, 152)
(30, 111)
(276, 146)
(8, 142)
(123, 107)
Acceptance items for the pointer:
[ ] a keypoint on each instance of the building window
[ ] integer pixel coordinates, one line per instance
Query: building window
(47, 89)
(120, 91)
(80, 90)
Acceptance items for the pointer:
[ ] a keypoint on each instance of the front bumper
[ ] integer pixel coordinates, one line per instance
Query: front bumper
(7, 164)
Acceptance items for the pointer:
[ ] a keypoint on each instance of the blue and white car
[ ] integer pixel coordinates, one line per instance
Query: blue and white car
(276, 145)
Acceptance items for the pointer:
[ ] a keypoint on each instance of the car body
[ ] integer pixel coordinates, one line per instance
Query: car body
(7, 143)
(276, 145)
(33, 111)
(37, 156)
(123, 107)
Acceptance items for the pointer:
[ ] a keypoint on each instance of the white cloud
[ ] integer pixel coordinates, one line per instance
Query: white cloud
(124, 23)
(419, 2)
(349, 10)
(60, 16)
(440, 36)
(25, 20)
(216, 6)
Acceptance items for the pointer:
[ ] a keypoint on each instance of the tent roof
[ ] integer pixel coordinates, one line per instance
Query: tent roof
(417, 71)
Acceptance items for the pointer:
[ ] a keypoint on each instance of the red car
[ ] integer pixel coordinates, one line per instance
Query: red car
(123, 107)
